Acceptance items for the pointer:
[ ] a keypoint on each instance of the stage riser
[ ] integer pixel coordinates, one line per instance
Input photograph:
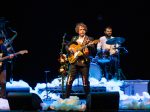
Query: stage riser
(75, 90)
(132, 87)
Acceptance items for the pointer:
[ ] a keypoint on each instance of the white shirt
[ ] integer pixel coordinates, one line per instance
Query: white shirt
(80, 40)
(103, 46)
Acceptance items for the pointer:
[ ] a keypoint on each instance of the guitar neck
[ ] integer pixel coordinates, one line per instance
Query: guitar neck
(6, 57)
(83, 47)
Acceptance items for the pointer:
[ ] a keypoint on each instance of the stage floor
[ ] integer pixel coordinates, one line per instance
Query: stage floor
(135, 89)
(134, 94)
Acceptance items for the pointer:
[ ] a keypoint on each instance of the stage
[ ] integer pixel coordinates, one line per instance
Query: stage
(121, 95)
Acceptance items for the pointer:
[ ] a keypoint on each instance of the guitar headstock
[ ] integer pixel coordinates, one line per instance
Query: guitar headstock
(23, 52)
(96, 41)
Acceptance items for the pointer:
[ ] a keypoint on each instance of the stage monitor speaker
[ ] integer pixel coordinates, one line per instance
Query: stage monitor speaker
(103, 101)
(24, 101)
(17, 89)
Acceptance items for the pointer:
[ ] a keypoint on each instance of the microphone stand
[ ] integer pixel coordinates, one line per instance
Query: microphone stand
(64, 65)
(62, 44)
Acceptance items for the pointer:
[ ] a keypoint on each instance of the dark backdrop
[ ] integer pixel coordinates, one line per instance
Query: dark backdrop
(41, 25)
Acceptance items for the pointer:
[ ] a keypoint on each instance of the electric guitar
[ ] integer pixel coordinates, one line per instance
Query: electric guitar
(7, 57)
(76, 50)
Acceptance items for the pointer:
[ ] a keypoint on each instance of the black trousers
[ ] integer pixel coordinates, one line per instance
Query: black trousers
(73, 71)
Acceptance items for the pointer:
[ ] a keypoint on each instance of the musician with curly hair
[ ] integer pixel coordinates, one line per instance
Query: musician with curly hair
(79, 51)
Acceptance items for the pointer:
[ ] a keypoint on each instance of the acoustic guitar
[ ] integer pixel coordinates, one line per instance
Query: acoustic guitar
(7, 57)
(76, 50)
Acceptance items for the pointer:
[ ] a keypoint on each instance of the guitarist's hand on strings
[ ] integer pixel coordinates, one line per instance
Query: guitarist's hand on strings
(11, 56)
(72, 50)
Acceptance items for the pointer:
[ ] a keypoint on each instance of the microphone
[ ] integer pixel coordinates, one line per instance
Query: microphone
(64, 35)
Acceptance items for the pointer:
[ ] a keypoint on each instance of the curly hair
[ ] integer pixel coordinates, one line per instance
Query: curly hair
(78, 25)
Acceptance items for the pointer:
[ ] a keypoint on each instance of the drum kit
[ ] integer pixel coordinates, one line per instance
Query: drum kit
(103, 57)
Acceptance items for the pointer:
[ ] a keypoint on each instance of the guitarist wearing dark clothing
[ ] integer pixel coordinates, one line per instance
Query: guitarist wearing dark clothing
(3, 53)
(79, 50)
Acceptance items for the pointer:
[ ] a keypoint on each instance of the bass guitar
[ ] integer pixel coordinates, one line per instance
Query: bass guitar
(76, 50)
(7, 57)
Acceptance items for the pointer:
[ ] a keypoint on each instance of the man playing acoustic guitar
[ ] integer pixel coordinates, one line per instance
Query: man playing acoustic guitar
(79, 49)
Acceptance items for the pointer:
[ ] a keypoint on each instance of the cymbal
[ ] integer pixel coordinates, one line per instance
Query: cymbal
(115, 40)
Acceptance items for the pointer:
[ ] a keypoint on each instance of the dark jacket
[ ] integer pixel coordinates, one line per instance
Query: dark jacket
(3, 53)
(84, 57)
